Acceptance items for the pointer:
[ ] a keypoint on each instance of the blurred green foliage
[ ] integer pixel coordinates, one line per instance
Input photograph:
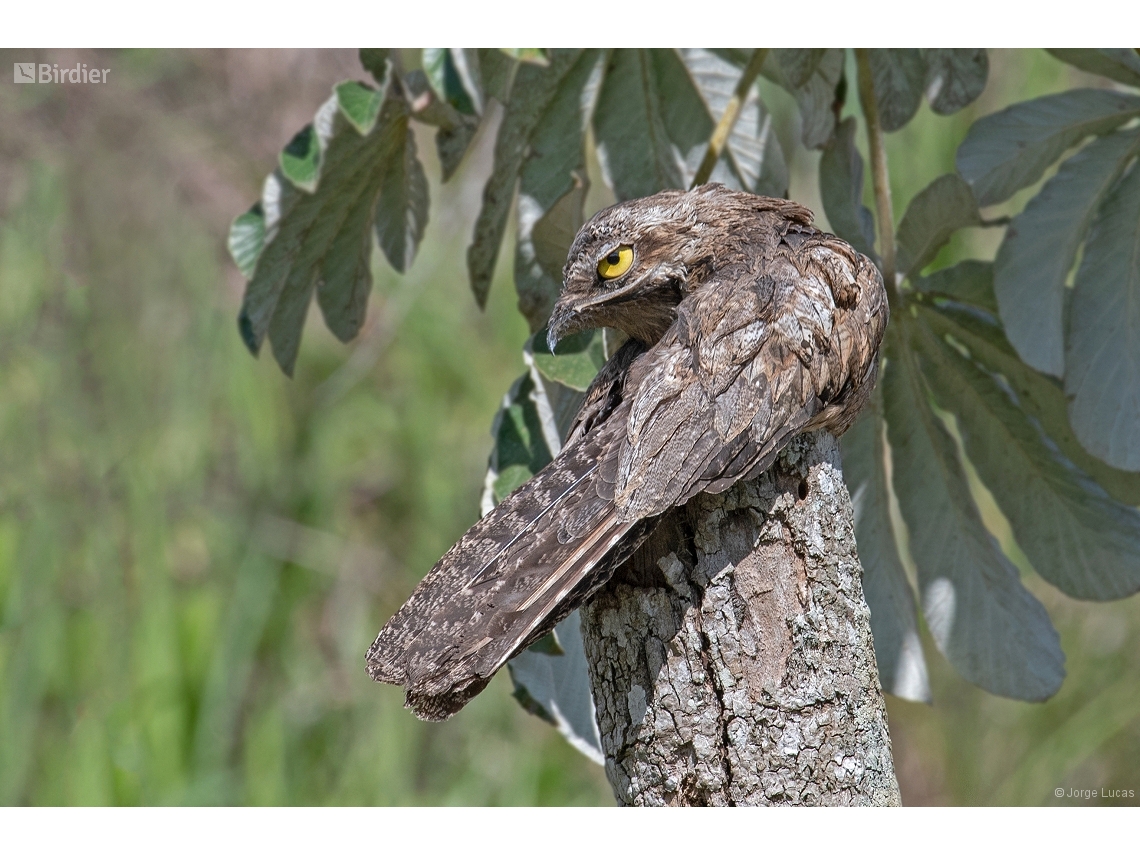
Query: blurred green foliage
(195, 551)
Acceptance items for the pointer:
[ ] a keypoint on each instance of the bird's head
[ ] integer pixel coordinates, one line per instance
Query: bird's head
(632, 264)
(629, 267)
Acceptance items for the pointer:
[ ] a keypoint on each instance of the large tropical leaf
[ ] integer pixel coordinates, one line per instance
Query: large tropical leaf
(797, 65)
(533, 89)
(841, 189)
(810, 75)
(1011, 149)
(894, 625)
(1041, 397)
(1102, 364)
(969, 281)
(456, 130)
(454, 75)
(1075, 535)
(993, 631)
(656, 112)
(1041, 246)
(556, 686)
(552, 189)
(649, 121)
(954, 77)
(816, 96)
(939, 210)
(579, 358)
(523, 431)
(401, 211)
(752, 159)
(898, 76)
(1121, 64)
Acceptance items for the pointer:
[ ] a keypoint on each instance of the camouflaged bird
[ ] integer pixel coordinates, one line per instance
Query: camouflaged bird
(746, 325)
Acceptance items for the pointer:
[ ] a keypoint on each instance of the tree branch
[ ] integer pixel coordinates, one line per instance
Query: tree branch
(880, 175)
(724, 127)
(731, 658)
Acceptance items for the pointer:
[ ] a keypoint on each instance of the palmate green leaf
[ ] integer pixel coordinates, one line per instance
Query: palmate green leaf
(1122, 64)
(939, 210)
(655, 113)
(451, 143)
(1041, 244)
(548, 645)
(841, 189)
(1074, 534)
(521, 431)
(454, 75)
(894, 626)
(969, 281)
(300, 160)
(343, 284)
(899, 77)
(1040, 396)
(536, 414)
(456, 130)
(497, 69)
(402, 210)
(955, 77)
(552, 189)
(577, 362)
(752, 159)
(990, 628)
(559, 402)
(816, 97)
(376, 63)
(246, 239)
(797, 65)
(317, 231)
(1102, 364)
(538, 56)
(648, 120)
(557, 687)
(359, 104)
(1011, 149)
(544, 239)
(532, 91)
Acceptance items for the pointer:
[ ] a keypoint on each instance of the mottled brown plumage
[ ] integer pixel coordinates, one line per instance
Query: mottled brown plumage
(747, 326)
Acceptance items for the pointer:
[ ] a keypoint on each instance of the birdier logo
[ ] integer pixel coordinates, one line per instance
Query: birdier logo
(45, 72)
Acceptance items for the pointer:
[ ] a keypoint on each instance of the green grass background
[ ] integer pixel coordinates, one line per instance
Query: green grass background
(195, 551)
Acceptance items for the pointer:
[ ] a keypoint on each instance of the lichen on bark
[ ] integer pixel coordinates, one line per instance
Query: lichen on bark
(731, 659)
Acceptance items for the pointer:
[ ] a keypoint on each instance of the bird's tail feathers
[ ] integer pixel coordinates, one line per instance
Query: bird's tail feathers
(517, 572)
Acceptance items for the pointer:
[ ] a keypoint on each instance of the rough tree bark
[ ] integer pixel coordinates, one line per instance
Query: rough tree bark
(731, 659)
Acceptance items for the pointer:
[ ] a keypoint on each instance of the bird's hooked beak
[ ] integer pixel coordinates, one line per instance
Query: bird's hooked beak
(564, 320)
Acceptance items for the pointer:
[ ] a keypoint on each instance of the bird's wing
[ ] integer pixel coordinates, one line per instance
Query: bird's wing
(517, 572)
(606, 391)
(782, 342)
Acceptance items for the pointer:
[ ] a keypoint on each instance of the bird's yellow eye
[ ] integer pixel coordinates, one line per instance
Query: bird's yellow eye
(616, 262)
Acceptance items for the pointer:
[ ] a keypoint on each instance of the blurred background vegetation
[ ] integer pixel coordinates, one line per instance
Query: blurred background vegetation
(195, 551)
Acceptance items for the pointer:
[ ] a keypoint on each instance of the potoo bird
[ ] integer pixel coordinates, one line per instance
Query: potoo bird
(746, 325)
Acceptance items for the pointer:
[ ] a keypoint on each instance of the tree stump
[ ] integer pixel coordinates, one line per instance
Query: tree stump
(731, 659)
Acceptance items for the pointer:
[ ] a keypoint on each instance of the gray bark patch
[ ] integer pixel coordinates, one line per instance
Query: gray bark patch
(748, 677)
